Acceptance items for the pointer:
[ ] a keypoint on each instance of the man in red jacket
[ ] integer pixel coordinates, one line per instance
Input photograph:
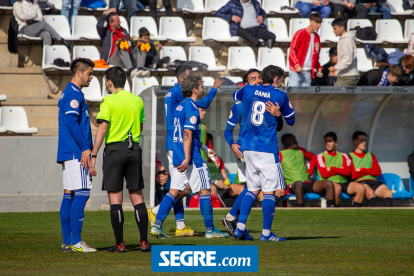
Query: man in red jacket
(304, 54)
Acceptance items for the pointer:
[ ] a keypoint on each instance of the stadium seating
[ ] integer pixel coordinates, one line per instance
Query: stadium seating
(205, 55)
(139, 84)
(326, 31)
(241, 58)
(390, 30)
(217, 29)
(61, 26)
(352, 23)
(174, 52)
(173, 28)
(98, 9)
(208, 81)
(324, 56)
(192, 6)
(270, 6)
(396, 185)
(93, 92)
(390, 50)
(409, 28)
(411, 184)
(296, 24)
(137, 22)
(235, 80)
(105, 93)
(396, 7)
(84, 27)
(3, 98)
(214, 5)
(124, 23)
(14, 119)
(50, 53)
(279, 28)
(273, 56)
(169, 80)
(364, 64)
(87, 51)
(344, 196)
(56, 3)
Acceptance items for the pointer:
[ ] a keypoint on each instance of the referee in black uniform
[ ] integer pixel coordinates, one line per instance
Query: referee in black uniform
(120, 120)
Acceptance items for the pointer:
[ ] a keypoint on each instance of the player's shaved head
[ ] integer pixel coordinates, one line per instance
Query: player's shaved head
(190, 83)
(289, 140)
(81, 64)
(270, 73)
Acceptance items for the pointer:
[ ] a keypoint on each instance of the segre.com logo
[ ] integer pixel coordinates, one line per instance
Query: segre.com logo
(205, 258)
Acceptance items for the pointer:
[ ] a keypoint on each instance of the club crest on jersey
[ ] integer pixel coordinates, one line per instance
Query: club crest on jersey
(262, 94)
(193, 120)
(74, 104)
(231, 114)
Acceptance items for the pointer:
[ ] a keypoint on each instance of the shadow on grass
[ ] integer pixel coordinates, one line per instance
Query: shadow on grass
(310, 238)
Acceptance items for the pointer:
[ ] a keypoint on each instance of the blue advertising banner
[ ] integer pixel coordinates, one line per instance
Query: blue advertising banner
(205, 258)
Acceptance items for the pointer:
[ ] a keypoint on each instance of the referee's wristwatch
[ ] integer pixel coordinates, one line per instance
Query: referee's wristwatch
(93, 156)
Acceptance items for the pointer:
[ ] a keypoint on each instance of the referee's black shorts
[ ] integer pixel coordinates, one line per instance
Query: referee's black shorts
(119, 162)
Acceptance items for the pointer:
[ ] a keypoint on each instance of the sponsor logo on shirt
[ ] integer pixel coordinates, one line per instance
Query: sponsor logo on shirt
(74, 104)
(179, 108)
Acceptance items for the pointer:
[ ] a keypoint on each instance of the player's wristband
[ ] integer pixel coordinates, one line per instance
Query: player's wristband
(204, 148)
(211, 155)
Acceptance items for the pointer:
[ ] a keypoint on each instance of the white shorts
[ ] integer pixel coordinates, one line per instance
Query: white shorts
(75, 176)
(198, 178)
(262, 172)
(241, 170)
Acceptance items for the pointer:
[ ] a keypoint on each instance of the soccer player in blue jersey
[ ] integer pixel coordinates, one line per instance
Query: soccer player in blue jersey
(252, 77)
(171, 101)
(74, 149)
(188, 165)
(260, 149)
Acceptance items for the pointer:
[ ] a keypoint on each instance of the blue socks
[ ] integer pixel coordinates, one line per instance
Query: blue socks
(234, 211)
(246, 206)
(179, 211)
(65, 217)
(268, 209)
(164, 210)
(77, 214)
(207, 212)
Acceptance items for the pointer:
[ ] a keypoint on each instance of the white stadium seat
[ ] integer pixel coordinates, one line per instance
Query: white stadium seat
(324, 56)
(173, 28)
(124, 23)
(276, 6)
(3, 98)
(273, 56)
(396, 7)
(84, 27)
(390, 50)
(93, 92)
(326, 31)
(205, 55)
(139, 84)
(50, 53)
(192, 6)
(364, 64)
(137, 22)
(61, 26)
(295, 24)
(390, 30)
(214, 5)
(409, 28)
(174, 52)
(105, 93)
(352, 23)
(217, 29)
(241, 58)
(234, 79)
(87, 51)
(14, 119)
(169, 80)
(279, 28)
(208, 81)
(56, 3)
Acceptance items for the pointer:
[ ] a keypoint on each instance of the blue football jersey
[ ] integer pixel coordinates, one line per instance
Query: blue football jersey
(171, 101)
(236, 115)
(76, 138)
(187, 116)
(260, 127)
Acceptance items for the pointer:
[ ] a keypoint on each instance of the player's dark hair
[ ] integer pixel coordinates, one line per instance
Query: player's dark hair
(246, 75)
(81, 64)
(210, 137)
(111, 17)
(190, 83)
(315, 17)
(143, 31)
(333, 51)
(270, 73)
(358, 133)
(117, 75)
(340, 22)
(288, 140)
(332, 135)
(182, 69)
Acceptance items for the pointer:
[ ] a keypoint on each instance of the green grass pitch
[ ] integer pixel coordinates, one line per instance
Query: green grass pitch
(320, 242)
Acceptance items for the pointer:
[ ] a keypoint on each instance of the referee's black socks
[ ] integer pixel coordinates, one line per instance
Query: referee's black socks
(117, 220)
(141, 217)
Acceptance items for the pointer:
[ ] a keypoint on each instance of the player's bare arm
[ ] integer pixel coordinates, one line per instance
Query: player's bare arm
(187, 139)
(218, 82)
(100, 136)
(237, 152)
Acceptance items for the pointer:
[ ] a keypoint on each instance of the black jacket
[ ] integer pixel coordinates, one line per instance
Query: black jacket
(407, 79)
(326, 80)
(372, 77)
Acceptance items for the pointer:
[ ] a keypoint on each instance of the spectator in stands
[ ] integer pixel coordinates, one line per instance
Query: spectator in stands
(292, 159)
(336, 167)
(407, 65)
(70, 8)
(377, 6)
(130, 5)
(161, 179)
(246, 20)
(339, 7)
(326, 79)
(308, 6)
(345, 70)
(408, 5)
(410, 45)
(29, 17)
(116, 44)
(304, 54)
(385, 75)
(146, 53)
(365, 170)
(410, 161)
(153, 8)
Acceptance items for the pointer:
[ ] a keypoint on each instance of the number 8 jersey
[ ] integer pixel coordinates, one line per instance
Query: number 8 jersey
(260, 132)
(187, 116)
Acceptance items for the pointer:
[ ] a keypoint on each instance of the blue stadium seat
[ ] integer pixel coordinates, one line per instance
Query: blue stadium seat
(411, 183)
(396, 185)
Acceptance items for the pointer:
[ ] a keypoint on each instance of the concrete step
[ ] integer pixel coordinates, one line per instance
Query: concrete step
(23, 83)
(7, 59)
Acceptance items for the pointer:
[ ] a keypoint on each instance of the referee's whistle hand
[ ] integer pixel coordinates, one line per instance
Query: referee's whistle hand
(92, 170)
(85, 158)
